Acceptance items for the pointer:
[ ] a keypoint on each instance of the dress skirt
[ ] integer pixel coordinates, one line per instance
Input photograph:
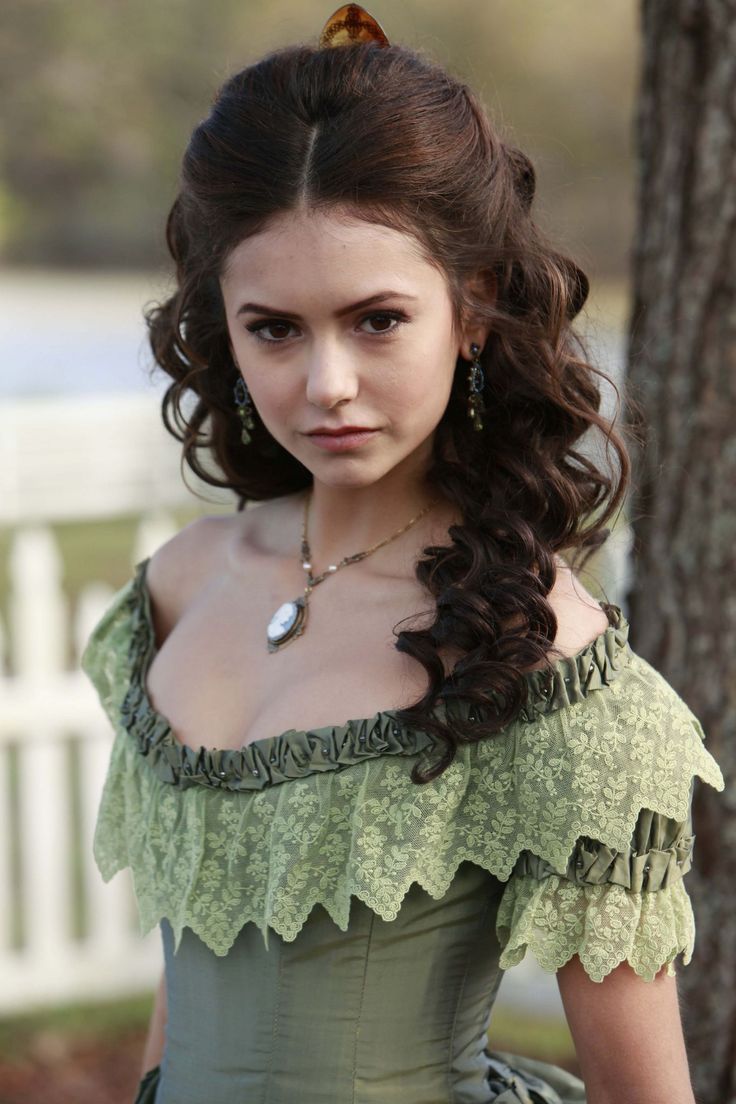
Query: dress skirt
(512, 1078)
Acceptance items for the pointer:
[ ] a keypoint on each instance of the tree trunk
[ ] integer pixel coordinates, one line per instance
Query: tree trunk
(682, 370)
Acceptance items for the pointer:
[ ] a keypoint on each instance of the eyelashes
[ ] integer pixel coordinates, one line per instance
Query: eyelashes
(256, 328)
(259, 328)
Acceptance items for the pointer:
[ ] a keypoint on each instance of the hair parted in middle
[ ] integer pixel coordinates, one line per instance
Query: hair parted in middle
(387, 135)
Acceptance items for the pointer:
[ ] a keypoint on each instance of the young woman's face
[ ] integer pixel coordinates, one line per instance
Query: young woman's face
(313, 358)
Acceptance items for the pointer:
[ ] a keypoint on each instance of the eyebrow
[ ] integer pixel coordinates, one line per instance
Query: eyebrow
(377, 298)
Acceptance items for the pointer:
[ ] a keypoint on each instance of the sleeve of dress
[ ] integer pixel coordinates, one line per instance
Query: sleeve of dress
(609, 906)
(618, 788)
(105, 657)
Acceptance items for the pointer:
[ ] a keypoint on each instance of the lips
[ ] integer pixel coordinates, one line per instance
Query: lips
(339, 432)
(344, 439)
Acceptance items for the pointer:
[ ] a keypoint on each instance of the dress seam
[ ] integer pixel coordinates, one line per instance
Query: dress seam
(461, 990)
(369, 940)
(274, 1028)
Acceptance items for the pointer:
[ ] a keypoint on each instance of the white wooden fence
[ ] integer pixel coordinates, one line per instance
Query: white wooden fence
(64, 933)
(50, 722)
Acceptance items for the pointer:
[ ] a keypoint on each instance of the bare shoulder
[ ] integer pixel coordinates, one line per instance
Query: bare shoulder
(182, 565)
(580, 618)
(202, 551)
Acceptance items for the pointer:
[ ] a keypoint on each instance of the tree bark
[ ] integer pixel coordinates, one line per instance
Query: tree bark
(682, 372)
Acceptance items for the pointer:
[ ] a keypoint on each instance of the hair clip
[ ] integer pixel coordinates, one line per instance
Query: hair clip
(351, 24)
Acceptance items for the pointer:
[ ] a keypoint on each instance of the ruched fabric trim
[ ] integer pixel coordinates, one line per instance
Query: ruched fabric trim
(565, 788)
(267, 762)
(660, 852)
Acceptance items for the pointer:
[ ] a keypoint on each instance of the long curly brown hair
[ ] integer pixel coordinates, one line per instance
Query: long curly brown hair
(391, 135)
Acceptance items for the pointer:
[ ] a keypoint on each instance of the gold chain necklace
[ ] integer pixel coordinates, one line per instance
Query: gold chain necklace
(290, 619)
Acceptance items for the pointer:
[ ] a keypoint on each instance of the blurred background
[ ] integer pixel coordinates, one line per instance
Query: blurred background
(97, 100)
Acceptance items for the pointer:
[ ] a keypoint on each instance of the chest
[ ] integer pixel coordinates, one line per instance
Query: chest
(215, 681)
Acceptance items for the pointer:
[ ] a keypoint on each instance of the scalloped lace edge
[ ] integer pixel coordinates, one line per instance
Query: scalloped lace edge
(604, 925)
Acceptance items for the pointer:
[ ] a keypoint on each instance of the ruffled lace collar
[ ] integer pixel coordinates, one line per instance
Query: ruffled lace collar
(297, 753)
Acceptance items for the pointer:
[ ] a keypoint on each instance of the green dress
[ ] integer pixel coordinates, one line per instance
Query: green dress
(335, 934)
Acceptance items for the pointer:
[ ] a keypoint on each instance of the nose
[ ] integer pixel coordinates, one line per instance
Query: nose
(332, 377)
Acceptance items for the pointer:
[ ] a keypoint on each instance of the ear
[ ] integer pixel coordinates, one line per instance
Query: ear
(481, 285)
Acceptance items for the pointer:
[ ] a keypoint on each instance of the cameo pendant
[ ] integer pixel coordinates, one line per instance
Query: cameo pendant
(288, 622)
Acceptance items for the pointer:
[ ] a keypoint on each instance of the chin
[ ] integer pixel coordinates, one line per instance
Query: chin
(349, 471)
(345, 477)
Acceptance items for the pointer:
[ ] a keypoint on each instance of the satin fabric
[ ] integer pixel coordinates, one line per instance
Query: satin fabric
(388, 1012)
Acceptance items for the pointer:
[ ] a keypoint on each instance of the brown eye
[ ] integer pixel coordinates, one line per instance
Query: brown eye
(386, 316)
(269, 324)
(282, 326)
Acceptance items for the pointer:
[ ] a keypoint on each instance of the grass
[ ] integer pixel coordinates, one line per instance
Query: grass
(101, 1022)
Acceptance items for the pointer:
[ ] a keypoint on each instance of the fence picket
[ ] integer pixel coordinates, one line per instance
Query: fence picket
(45, 849)
(38, 608)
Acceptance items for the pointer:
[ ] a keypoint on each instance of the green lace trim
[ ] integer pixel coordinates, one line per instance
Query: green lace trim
(604, 925)
(595, 781)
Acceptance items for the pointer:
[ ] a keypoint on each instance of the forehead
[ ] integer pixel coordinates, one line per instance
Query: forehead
(335, 251)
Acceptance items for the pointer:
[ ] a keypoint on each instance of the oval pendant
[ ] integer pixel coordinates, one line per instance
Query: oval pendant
(287, 622)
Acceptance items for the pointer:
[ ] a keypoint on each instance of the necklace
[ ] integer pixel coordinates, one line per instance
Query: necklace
(290, 619)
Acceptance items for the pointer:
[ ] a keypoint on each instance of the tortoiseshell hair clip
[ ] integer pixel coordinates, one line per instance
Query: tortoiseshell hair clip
(351, 24)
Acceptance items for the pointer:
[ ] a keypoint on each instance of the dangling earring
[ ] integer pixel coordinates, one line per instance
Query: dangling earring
(245, 409)
(476, 381)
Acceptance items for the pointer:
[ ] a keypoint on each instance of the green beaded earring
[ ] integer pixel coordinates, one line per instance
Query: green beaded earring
(245, 409)
(476, 380)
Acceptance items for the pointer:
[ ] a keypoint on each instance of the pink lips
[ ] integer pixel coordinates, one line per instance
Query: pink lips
(333, 430)
(342, 440)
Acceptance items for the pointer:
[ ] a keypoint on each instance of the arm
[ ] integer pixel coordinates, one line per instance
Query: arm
(154, 1047)
(627, 1034)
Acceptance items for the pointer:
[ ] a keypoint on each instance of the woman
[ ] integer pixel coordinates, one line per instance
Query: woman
(378, 343)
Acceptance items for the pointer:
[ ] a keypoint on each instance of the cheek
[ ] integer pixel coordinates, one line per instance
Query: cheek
(422, 392)
(276, 400)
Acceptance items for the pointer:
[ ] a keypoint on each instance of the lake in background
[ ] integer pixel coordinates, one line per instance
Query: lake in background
(68, 333)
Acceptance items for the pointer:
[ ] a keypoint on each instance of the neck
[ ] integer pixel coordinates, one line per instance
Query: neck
(343, 521)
